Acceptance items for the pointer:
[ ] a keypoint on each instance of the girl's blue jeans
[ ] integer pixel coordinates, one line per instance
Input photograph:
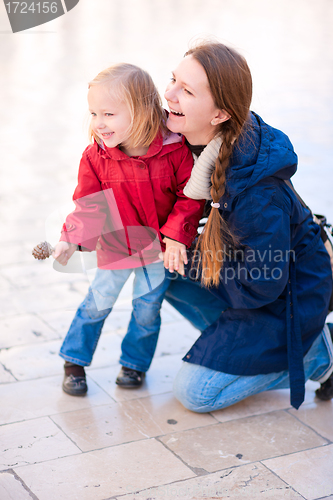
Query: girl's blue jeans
(202, 389)
(138, 346)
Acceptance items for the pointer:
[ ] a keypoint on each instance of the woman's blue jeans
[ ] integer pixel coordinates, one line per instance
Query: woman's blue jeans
(139, 343)
(202, 389)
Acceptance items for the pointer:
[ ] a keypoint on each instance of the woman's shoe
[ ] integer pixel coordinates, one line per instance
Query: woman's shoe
(74, 380)
(129, 378)
(325, 391)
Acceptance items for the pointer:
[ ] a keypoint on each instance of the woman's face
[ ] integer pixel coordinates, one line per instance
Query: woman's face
(193, 112)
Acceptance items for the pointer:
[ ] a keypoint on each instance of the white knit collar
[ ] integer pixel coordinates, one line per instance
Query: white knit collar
(199, 185)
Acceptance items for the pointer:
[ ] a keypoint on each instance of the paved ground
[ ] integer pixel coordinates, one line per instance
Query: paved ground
(114, 442)
(142, 444)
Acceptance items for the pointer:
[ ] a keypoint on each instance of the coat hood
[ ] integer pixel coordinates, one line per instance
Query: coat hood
(261, 152)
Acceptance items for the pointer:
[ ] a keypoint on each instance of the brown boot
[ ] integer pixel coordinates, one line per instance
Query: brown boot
(325, 391)
(129, 378)
(74, 380)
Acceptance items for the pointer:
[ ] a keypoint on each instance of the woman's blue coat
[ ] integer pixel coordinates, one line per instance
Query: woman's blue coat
(277, 288)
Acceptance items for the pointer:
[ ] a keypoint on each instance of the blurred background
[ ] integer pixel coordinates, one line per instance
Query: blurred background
(44, 73)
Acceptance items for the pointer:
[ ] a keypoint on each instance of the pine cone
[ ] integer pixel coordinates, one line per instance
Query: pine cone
(42, 250)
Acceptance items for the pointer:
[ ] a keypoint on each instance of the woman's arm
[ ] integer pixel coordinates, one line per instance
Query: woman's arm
(257, 273)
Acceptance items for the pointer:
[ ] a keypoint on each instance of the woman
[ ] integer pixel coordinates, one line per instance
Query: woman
(260, 281)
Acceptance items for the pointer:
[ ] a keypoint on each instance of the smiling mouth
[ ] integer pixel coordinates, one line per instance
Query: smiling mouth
(176, 113)
(107, 135)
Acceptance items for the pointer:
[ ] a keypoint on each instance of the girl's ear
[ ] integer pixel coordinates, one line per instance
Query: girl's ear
(221, 116)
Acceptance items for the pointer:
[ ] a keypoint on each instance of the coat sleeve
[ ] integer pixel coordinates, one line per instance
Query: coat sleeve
(183, 220)
(85, 224)
(258, 273)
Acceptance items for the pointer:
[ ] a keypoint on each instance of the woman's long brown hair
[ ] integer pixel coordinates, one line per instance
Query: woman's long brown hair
(230, 83)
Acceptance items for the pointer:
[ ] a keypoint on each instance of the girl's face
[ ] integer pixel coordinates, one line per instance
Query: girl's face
(110, 117)
(193, 112)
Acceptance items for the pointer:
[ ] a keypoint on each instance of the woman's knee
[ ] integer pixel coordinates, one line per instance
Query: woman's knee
(185, 397)
(201, 389)
(189, 389)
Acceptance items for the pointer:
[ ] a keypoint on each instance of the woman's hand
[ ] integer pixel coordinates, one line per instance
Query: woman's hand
(63, 252)
(175, 256)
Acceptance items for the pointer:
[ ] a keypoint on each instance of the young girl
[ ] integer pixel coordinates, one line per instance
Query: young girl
(129, 197)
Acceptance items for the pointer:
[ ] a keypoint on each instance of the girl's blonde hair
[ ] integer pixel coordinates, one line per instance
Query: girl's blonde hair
(230, 83)
(136, 88)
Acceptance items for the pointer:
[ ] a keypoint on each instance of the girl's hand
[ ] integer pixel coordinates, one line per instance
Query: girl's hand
(63, 252)
(175, 256)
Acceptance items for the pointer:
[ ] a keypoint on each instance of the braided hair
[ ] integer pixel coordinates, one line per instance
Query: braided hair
(230, 83)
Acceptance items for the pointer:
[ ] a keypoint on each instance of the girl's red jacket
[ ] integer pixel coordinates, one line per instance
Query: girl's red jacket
(125, 205)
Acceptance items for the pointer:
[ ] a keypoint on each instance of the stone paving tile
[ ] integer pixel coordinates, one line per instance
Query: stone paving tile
(5, 376)
(170, 315)
(31, 442)
(6, 285)
(244, 440)
(24, 329)
(16, 253)
(104, 426)
(107, 352)
(37, 274)
(33, 361)
(58, 321)
(58, 297)
(308, 472)
(318, 416)
(264, 402)
(11, 488)
(42, 360)
(101, 474)
(248, 482)
(80, 285)
(176, 338)
(170, 416)
(37, 398)
(118, 320)
(158, 380)
(257, 404)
